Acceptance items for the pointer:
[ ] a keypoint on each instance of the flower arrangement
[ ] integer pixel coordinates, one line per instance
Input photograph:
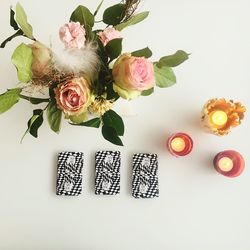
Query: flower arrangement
(83, 82)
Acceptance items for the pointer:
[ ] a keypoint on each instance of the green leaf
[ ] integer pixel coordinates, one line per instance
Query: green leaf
(82, 15)
(164, 76)
(54, 116)
(146, 52)
(114, 14)
(98, 7)
(18, 33)
(114, 48)
(147, 92)
(9, 99)
(174, 60)
(111, 94)
(13, 22)
(110, 135)
(34, 100)
(94, 123)
(22, 59)
(133, 20)
(34, 123)
(113, 120)
(21, 19)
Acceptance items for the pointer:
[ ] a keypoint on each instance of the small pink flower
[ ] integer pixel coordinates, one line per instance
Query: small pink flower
(132, 74)
(109, 34)
(73, 35)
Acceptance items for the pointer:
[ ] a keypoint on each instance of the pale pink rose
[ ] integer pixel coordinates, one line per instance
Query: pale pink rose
(109, 34)
(133, 74)
(73, 97)
(73, 35)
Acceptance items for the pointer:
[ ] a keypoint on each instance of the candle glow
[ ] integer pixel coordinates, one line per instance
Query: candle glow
(218, 118)
(225, 164)
(180, 144)
(229, 163)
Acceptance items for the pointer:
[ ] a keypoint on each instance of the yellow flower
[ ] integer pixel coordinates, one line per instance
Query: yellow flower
(99, 106)
(231, 115)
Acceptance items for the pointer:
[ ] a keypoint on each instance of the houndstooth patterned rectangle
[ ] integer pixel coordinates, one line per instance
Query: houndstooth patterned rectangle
(145, 176)
(69, 173)
(107, 174)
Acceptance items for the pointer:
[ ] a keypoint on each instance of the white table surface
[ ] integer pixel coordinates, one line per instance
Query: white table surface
(197, 208)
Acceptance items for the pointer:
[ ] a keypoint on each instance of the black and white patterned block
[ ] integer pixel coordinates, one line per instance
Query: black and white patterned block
(145, 176)
(107, 172)
(69, 173)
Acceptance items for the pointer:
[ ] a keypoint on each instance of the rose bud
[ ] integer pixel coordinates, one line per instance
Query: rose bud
(41, 64)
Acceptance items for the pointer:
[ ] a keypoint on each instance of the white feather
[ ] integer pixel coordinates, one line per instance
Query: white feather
(78, 61)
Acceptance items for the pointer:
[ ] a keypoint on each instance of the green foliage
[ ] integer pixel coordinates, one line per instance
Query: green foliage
(110, 135)
(22, 59)
(34, 123)
(111, 94)
(94, 123)
(83, 15)
(13, 22)
(21, 19)
(173, 60)
(18, 33)
(34, 100)
(112, 119)
(54, 116)
(133, 20)
(98, 7)
(147, 92)
(114, 14)
(9, 99)
(114, 48)
(164, 76)
(146, 52)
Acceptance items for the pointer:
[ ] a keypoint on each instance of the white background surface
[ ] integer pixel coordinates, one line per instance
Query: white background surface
(197, 208)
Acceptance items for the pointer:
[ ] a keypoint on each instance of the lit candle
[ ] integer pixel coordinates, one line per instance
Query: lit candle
(229, 163)
(180, 144)
(218, 118)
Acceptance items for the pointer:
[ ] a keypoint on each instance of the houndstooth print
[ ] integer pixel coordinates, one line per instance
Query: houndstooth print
(69, 173)
(145, 176)
(107, 174)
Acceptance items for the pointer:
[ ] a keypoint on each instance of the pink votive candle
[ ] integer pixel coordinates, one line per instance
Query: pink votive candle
(229, 163)
(179, 144)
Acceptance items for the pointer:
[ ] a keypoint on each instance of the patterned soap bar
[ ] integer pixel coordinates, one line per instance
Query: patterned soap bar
(107, 172)
(69, 173)
(145, 176)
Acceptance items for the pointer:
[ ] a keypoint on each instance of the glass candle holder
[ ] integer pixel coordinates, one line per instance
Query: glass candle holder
(229, 163)
(179, 144)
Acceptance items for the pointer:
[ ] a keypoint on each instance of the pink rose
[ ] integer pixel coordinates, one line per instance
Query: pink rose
(109, 34)
(73, 97)
(132, 75)
(73, 35)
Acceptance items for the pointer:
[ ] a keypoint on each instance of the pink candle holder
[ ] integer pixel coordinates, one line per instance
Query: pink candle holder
(179, 144)
(229, 163)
